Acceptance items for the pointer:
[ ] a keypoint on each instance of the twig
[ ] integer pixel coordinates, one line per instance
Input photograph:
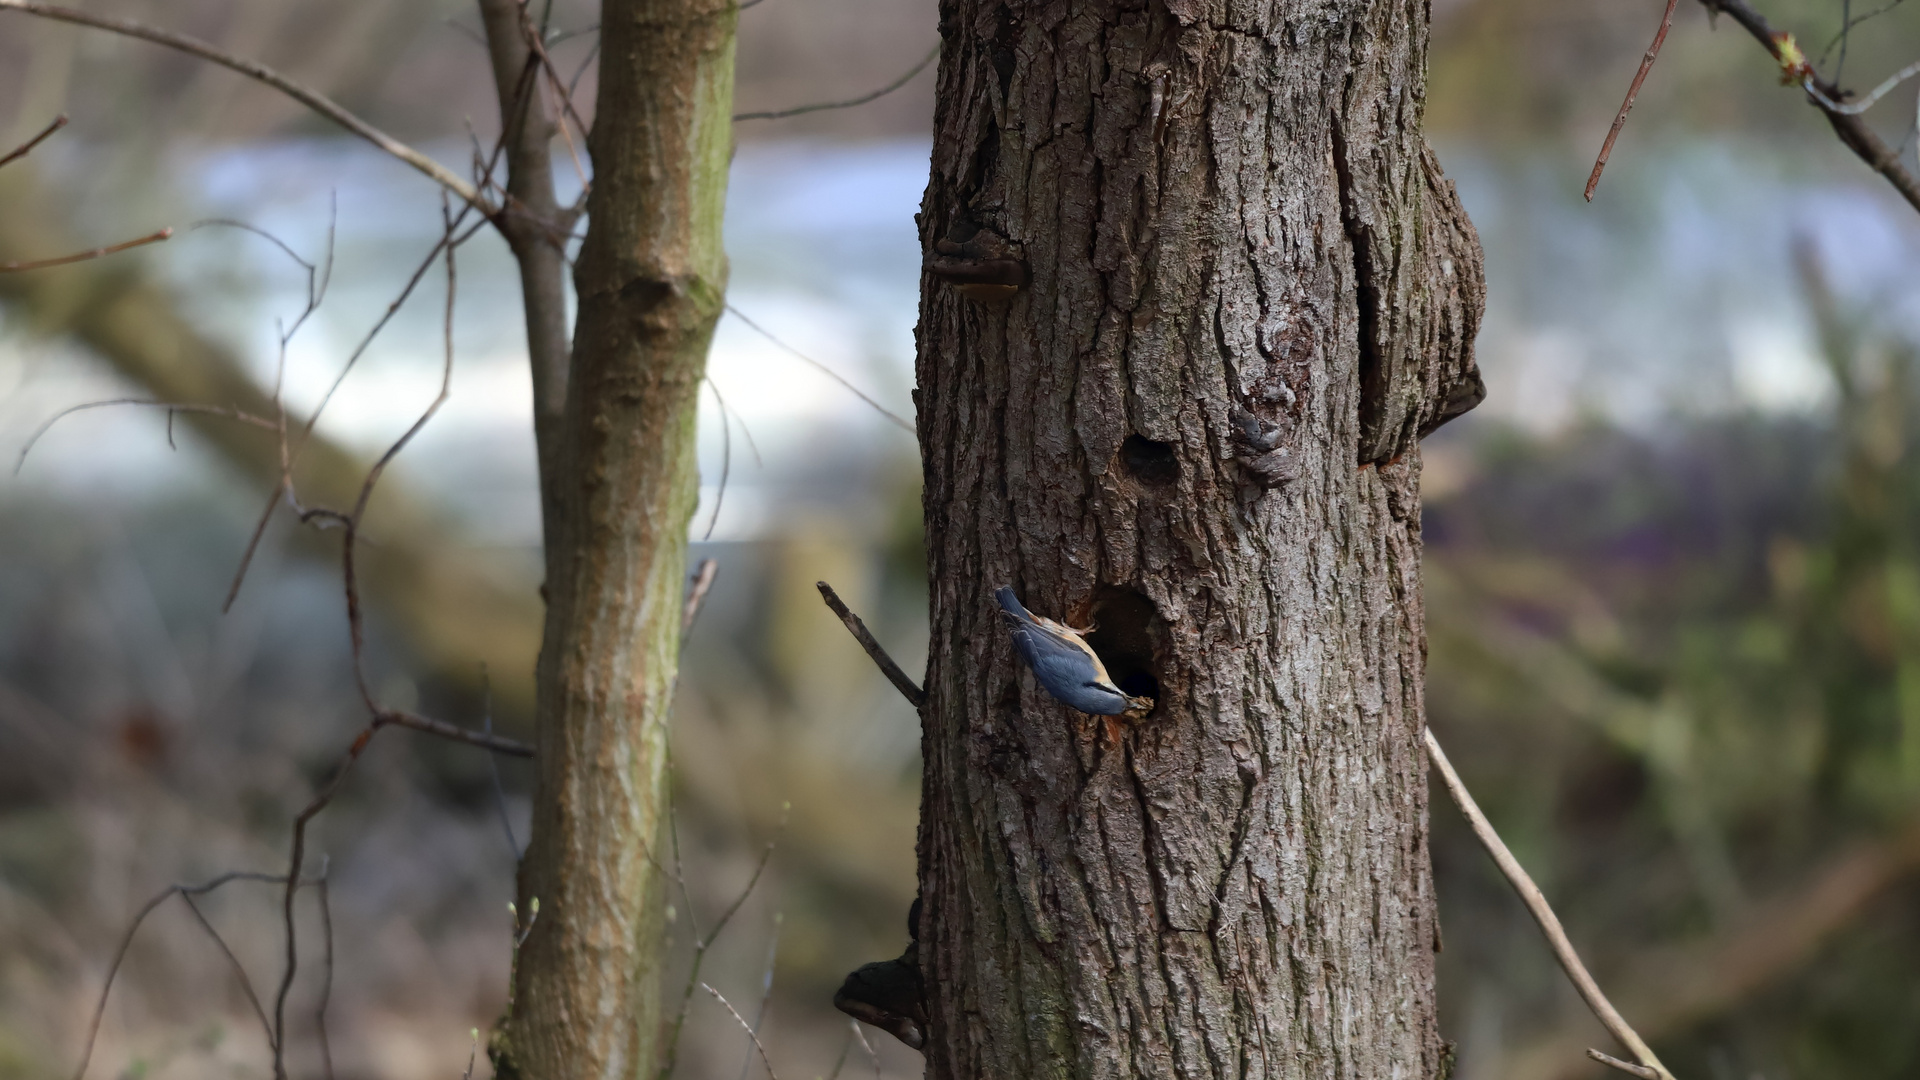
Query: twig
(1627, 1067)
(312, 809)
(1633, 91)
(311, 98)
(868, 1047)
(1854, 132)
(845, 1049)
(743, 1023)
(908, 688)
(83, 256)
(1542, 913)
(781, 114)
(239, 970)
(1873, 96)
(730, 411)
(766, 990)
(560, 89)
(171, 407)
(126, 943)
(26, 148)
(830, 373)
(726, 464)
(493, 765)
(517, 939)
(326, 981)
(1680, 986)
(380, 716)
(702, 944)
(1846, 21)
(703, 577)
(486, 740)
(1847, 25)
(290, 450)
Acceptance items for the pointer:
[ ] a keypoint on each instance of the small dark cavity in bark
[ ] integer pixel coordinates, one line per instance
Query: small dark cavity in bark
(1153, 464)
(1130, 637)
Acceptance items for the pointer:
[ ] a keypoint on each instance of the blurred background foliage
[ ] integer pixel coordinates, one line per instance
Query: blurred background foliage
(1673, 576)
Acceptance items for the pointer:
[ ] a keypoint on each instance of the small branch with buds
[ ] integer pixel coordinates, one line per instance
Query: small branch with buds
(1825, 96)
(1633, 91)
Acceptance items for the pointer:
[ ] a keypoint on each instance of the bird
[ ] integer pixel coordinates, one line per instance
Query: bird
(1065, 664)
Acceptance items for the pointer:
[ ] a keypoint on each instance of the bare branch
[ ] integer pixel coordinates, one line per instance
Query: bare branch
(908, 688)
(239, 970)
(726, 462)
(133, 928)
(781, 114)
(703, 576)
(26, 148)
(1627, 1067)
(326, 981)
(868, 1047)
(537, 230)
(845, 1049)
(766, 993)
(829, 372)
(380, 716)
(493, 766)
(83, 256)
(1873, 96)
(171, 407)
(702, 943)
(743, 1023)
(1846, 28)
(307, 96)
(1859, 137)
(1542, 913)
(1633, 91)
(499, 744)
(313, 808)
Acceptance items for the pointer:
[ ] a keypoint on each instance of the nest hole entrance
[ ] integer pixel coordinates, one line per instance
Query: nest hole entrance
(1128, 636)
(1152, 463)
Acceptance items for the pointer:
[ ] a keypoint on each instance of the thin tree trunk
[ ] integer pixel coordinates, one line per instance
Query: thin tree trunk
(1249, 291)
(536, 228)
(651, 280)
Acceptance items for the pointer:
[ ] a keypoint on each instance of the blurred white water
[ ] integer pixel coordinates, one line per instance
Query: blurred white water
(1673, 295)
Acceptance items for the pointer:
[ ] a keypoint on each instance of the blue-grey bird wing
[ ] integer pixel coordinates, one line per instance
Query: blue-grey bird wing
(1065, 673)
(1064, 664)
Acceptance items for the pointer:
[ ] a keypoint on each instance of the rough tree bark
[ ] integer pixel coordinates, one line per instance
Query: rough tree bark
(651, 279)
(1249, 290)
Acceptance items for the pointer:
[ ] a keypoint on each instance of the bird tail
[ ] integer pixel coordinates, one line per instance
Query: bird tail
(1010, 604)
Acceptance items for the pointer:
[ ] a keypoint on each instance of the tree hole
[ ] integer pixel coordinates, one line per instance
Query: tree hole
(1151, 463)
(1128, 635)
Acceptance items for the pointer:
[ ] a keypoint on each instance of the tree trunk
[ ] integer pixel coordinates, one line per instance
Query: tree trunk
(1248, 291)
(651, 280)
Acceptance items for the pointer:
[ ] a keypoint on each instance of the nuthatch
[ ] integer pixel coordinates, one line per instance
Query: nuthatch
(1065, 664)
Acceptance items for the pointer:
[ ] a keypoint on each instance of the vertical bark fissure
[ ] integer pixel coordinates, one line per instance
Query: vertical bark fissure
(651, 281)
(1374, 375)
(1201, 213)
